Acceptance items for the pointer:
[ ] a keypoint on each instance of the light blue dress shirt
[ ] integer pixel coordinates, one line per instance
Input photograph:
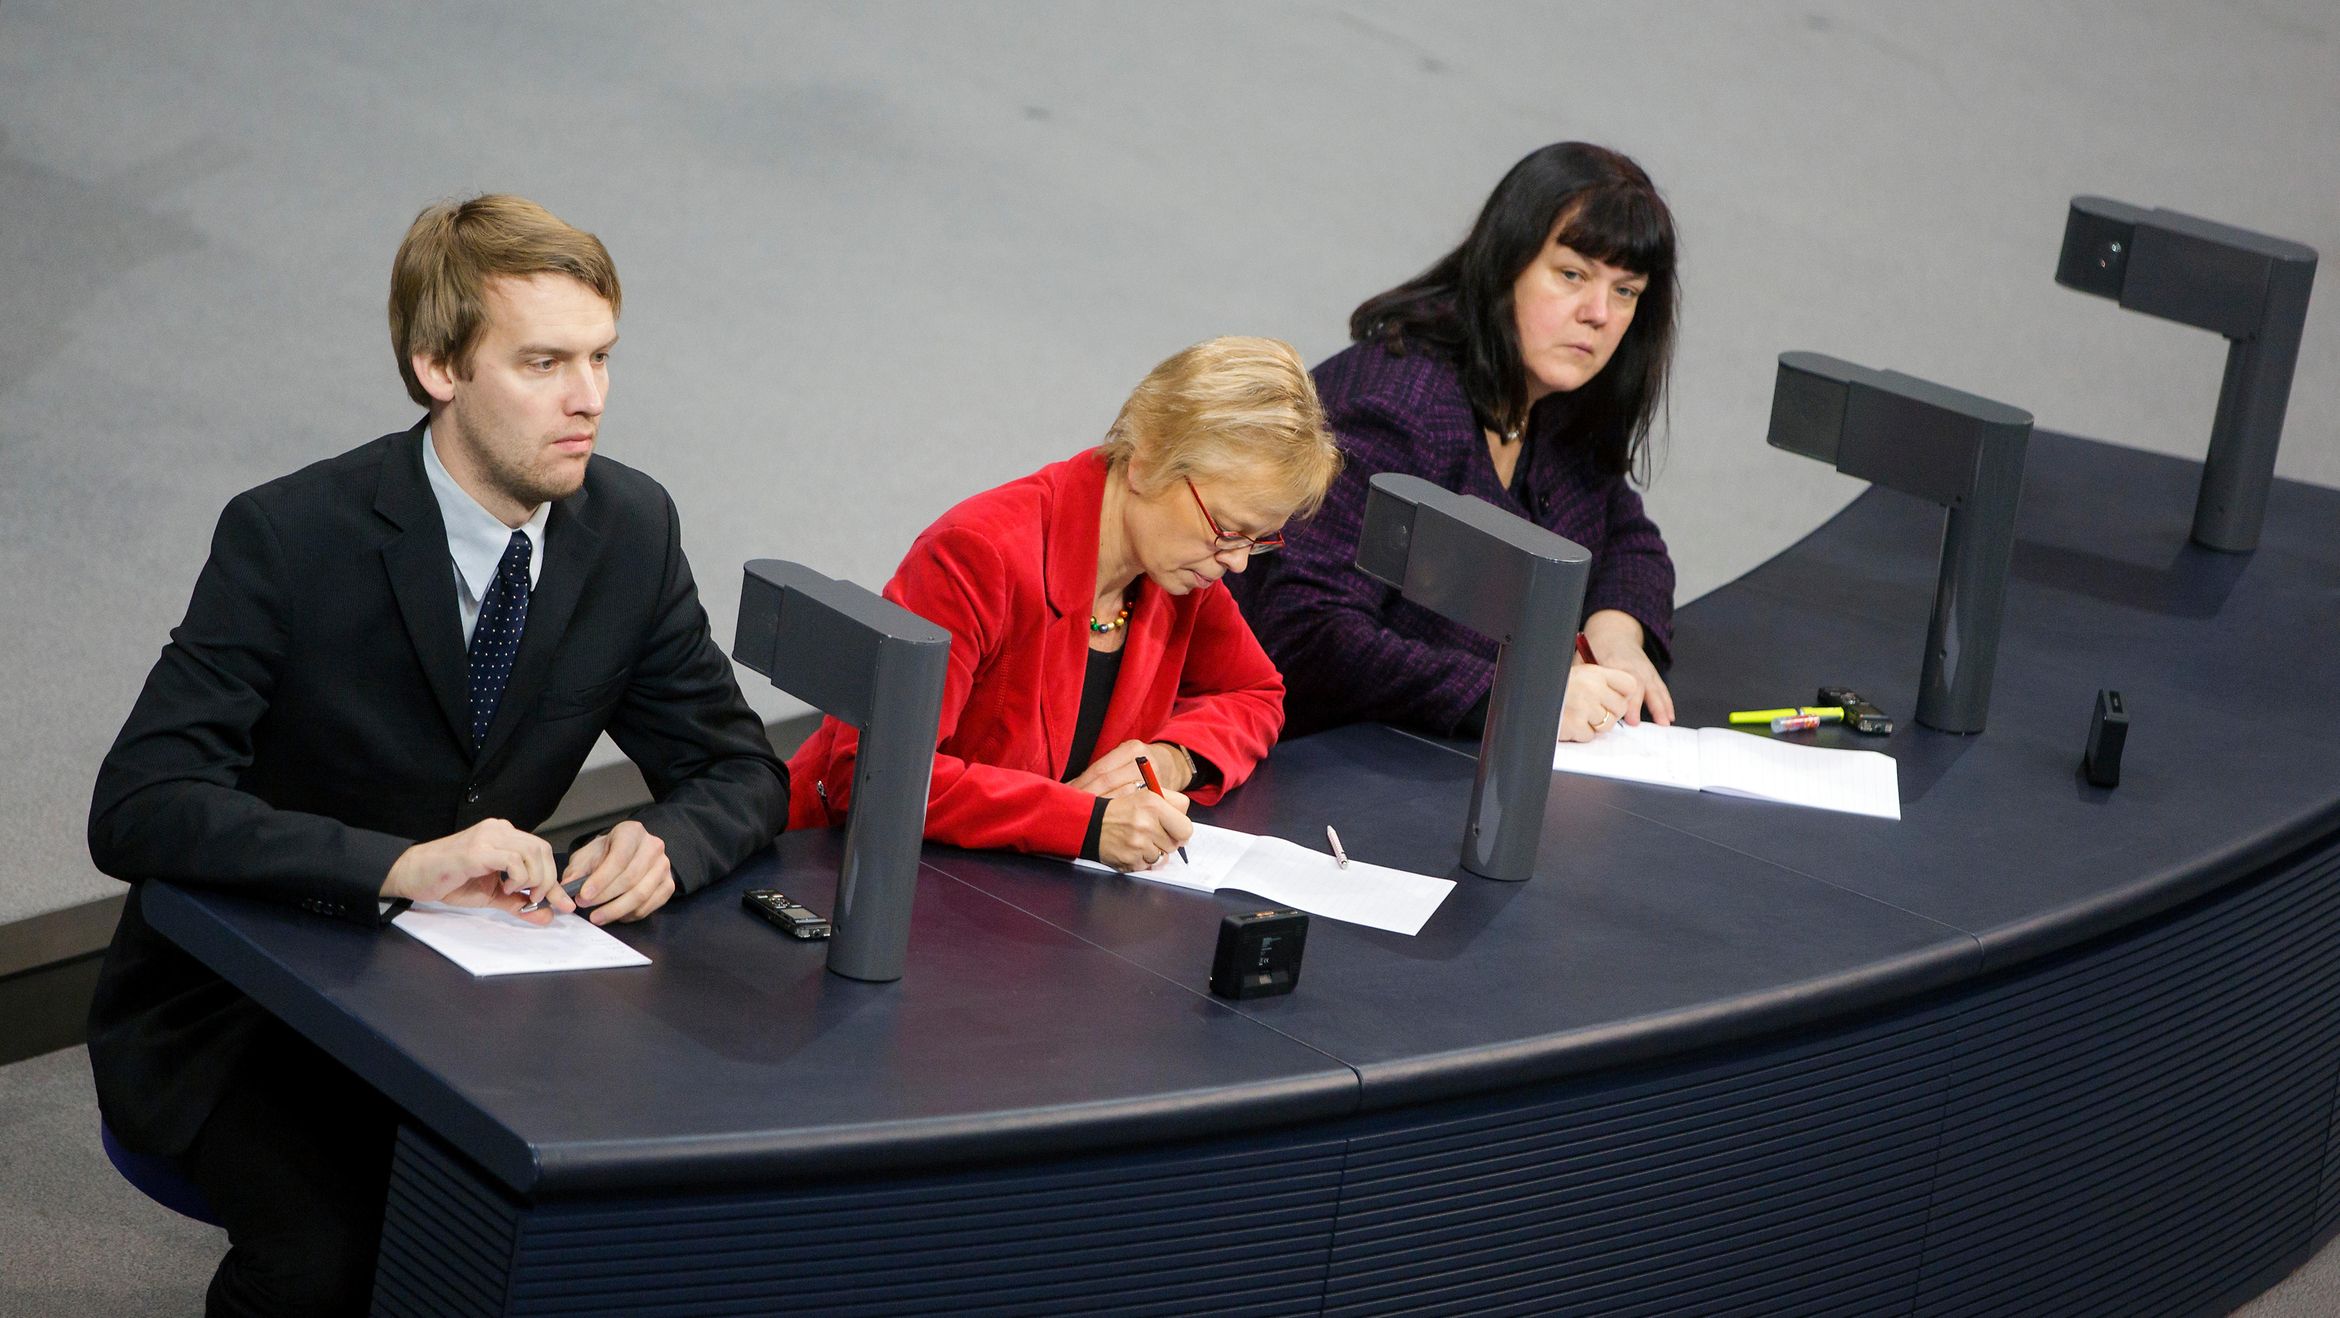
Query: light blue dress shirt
(476, 538)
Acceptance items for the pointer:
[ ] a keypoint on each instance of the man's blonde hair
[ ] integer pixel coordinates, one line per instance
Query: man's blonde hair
(438, 283)
(1239, 409)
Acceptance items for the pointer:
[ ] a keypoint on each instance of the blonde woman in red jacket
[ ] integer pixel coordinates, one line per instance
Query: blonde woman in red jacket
(1088, 626)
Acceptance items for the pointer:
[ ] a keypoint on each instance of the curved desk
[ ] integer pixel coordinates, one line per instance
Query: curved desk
(2036, 1048)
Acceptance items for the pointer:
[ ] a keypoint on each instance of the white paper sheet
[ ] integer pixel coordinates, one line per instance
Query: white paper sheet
(490, 942)
(1292, 875)
(1648, 753)
(1731, 763)
(1856, 782)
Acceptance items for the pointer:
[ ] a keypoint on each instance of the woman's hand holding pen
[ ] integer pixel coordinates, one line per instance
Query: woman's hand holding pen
(1615, 637)
(1598, 698)
(1141, 828)
(1115, 772)
(1608, 687)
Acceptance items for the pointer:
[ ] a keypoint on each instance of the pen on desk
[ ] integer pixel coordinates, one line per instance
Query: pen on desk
(1335, 839)
(570, 888)
(1584, 649)
(1154, 785)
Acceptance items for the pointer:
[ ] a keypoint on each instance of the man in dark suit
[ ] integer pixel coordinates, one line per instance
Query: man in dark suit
(392, 667)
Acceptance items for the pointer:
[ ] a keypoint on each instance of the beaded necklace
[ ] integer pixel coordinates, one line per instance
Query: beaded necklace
(1120, 620)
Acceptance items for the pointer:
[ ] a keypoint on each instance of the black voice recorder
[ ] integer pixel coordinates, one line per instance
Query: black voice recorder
(1259, 953)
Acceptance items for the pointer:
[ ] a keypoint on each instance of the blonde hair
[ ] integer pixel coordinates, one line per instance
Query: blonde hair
(1234, 409)
(438, 282)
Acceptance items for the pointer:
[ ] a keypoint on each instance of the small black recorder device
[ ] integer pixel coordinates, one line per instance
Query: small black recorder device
(1259, 953)
(783, 912)
(2107, 731)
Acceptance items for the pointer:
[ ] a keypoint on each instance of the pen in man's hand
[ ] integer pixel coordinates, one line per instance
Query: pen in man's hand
(1154, 785)
(570, 888)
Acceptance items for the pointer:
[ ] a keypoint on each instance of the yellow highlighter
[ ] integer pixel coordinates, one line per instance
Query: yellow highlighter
(1824, 713)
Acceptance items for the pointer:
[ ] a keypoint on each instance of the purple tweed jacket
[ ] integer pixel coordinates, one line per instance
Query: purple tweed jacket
(1350, 649)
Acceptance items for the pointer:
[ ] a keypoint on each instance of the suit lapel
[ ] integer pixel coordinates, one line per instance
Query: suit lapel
(422, 577)
(571, 543)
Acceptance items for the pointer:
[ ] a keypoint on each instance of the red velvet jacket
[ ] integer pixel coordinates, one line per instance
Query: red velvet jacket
(1011, 573)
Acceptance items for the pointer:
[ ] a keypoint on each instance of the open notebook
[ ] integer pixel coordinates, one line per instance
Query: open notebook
(1739, 764)
(1286, 872)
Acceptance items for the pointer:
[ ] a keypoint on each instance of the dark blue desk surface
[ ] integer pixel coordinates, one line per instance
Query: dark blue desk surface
(1048, 1009)
(1633, 939)
(2229, 666)
(735, 1057)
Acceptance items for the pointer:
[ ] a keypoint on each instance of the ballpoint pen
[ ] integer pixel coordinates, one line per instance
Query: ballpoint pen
(570, 888)
(1335, 839)
(1154, 785)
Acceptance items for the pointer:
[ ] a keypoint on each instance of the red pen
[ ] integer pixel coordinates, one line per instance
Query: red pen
(1584, 649)
(1154, 785)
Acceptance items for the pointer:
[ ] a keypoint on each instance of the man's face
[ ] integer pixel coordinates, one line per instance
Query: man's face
(520, 431)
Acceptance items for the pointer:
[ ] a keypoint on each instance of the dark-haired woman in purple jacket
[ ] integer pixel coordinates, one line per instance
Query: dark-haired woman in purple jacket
(1524, 368)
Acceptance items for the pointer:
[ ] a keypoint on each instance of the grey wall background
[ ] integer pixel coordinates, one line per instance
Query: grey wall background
(878, 257)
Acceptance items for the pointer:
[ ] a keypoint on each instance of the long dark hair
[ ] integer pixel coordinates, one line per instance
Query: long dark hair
(1606, 209)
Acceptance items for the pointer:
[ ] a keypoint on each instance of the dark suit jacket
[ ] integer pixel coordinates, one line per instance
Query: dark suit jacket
(308, 721)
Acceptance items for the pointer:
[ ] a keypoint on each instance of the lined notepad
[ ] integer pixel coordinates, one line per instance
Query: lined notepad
(1732, 763)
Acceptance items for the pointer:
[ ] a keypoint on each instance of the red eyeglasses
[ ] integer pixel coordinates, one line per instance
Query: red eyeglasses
(1227, 541)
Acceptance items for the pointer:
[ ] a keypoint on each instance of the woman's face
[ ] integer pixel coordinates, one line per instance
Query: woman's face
(1171, 532)
(1570, 312)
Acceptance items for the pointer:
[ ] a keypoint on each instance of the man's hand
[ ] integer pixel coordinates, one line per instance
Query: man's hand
(627, 874)
(1615, 637)
(1115, 772)
(490, 863)
(1141, 828)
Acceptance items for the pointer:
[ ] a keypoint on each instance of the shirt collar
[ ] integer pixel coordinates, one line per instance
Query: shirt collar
(476, 538)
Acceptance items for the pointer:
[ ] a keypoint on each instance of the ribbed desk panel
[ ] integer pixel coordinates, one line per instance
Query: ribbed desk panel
(2136, 1125)
(2328, 1212)
(1790, 1180)
(447, 1237)
(1233, 1229)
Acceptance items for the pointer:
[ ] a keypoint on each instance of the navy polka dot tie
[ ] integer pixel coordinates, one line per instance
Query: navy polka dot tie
(496, 639)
